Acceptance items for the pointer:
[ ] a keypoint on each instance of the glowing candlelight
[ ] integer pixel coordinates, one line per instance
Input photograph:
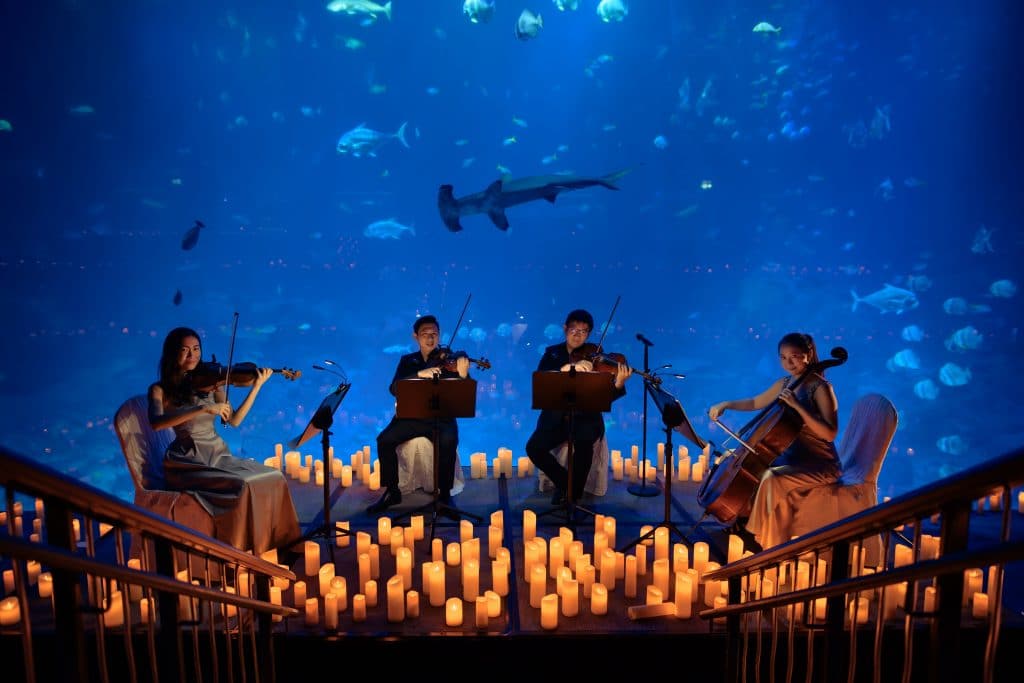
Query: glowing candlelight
(641, 559)
(538, 584)
(570, 598)
(330, 611)
(655, 596)
(339, 586)
(397, 539)
(114, 614)
(470, 580)
(324, 576)
(859, 610)
(363, 543)
(437, 579)
(371, 591)
(412, 604)
(465, 530)
(600, 544)
(495, 535)
(46, 585)
(358, 607)
(608, 569)
(346, 476)
(587, 577)
(437, 550)
(979, 606)
(383, 530)
(522, 466)
(700, 556)
(499, 577)
(480, 615)
(556, 556)
(342, 539)
(10, 611)
(529, 525)
(299, 594)
(454, 554)
(364, 570)
(630, 587)
(8, 581)
(453, 612)
(598, 599)
(396, 599)
(660, 578)
(416, 522)
(684, 595)
(275, 599)
(403, 565)
(549, 611)
(493, 604)
(608, 526)
(144, 611)
(312, 611)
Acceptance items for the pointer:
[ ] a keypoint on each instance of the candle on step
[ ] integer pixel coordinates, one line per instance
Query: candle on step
(299, 594)
(396, 599)
(358, 607)
(324, 576)
(660, 577)
(684, 595)
(437, 579)
(979, 606)
(342, 539)
(371, 593)
(499, 577)
(416, 522)
(972, 584)
(494, 539)
(700, 556)
(608, 569)
(453, 612)
(454, 554)
(630, 579)
(655, 596)
(364, 570)
(570, 598)
(538, 584)
(339, 586)
(549, 611)
(480, 615)
(403, 566)
(383, 530)
(330, 611)
(556, 556)
(412, 604)
(10, 611)
(470, 580)
(275, 599)
(493, 604)
(529, 525)
(312, 611)
(598, 599)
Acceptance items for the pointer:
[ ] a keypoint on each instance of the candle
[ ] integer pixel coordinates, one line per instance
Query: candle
(471, 549)
(549, 611)
(660, 577)
(437, 578)
(470, 580)
(1020, 502)
(587, 576)
(325, 574)
(684, 595)
(647, 611)
(339, 586)
(661, 540)
(453, 612)
(655, 595)
(396, 599)
(465, 530)
(397, 540)
(640, 551)
(529, 525)
(8, 581)
(144, 611)
(304, 475)
(299, 594)
(412, 604)
(342, 539)
(697, 471)
(570, 598)
(33, 568)
(346, 476)
(538, 584)
(403, 565)
(556, 556)
(499, 577)
(114, 614)
(972, 584)
(493, 604)
(364, 570)
(436, 550)
(10, 611)
(480, 615)
(859, 610)
(454, 554)
(564, 574)
(617, 469)
(46, 585)
(363, 543)
(600, 544)
(894, 595)
(608, 527)
(371, 593)
(904, 555)
(331, 611)
(383, 530)
(494, 539)
(700, 556)
(630, 588)
(608, 569)
(275, 599)
(598, 599)
(358, 607)
(979, 606)
(312, 611)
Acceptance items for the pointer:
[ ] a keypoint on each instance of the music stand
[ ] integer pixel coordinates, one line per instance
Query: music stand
(321, 422)
(571, 392)
(434, 399)
(643, 489)
(674, 419)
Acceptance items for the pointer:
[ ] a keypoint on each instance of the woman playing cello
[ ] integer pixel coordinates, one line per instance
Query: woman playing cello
(812, 459)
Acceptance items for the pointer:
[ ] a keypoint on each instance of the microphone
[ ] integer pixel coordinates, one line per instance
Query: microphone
(644, 340)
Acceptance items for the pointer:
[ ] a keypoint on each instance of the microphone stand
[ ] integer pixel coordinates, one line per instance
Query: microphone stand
(643, 489)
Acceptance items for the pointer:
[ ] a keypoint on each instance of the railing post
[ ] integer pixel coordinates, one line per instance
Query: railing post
(67, 595)
(167, 650)
(732, 627)
(835, 615)
(953, 533)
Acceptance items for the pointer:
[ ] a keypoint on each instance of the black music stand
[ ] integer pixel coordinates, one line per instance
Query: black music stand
(674, 419)
(434, 399)
(321, 422)
(643, 489)
(572, 392)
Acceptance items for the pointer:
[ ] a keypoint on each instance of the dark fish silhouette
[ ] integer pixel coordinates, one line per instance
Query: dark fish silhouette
(191, 237)
(507, 192)
(177, 298)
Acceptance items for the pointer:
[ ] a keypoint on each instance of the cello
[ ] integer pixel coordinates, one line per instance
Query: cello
(731, 483)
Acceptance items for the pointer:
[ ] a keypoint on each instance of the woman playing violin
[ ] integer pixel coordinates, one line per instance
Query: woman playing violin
(812, 459)
(233, 490)
(553, 426)
(428, 362)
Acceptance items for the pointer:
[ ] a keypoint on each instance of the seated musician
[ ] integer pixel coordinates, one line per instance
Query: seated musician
(421, 363)
(553, 426)
(812, 458)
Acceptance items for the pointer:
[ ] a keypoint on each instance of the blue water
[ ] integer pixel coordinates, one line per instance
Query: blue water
(770, 175)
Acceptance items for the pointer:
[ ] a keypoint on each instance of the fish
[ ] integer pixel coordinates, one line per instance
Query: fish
(564, 5)
(352, 7)
(388, 229)
(765, 27)
(177, 298)
(191, 237)
(912, 333)
(507, 192)
(478, 11)
(905, 359)
(953, 444)
(612, 10)
(952, 375)
(362, 140)
(964, 339)
(528, 25)
(926, 389)
(958, 305)
(5, 126)
(1003, 289)
(889, 299)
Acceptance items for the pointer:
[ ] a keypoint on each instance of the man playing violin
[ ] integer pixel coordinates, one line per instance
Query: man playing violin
(553, 426)
(426, 363)
(250, 503)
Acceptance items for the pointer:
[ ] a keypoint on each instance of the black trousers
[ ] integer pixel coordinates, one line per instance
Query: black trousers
(549, 435)
(400, 430)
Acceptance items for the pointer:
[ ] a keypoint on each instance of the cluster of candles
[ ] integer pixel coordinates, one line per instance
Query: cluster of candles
(680, 468)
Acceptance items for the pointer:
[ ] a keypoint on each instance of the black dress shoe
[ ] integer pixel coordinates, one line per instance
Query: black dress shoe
(391, 497)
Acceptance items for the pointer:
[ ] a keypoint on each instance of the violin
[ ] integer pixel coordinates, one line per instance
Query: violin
(607, 362)
(209, 375)
(445, 359)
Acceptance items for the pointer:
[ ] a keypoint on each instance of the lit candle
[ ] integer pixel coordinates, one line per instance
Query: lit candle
(598, 599)
(374, 479)
(437, 550)
(630, 587)
(564, 574)
(275, 599)
(549, 611)
(453, 612)
(465, 530)
(144, 610)
(697, 471)
(859, 610)
(493, 604)
(299, 594)
(587, 577)
(617, 469)
(608, 527)
(114, 614)
(412, 604)
(529, 525)
(499, 577)
(820, 605)
(470, 580)
(600, 544)
(397, 540)
(396, 599)
(538, 584)
(10, 611)
(979, 606)
(364, 570)
(660, 577)
(661, 540)
(972, 584)
(494, 539)
(1020, 502)
(655, 596)
(570, 598)
(904, 555)
(641, 559)
(46, 585)
(346, 476)
(342, 539)
(8, 581)
(312, 611)
(330, 611)
(324, 576)
(735, 548)
(608, 569)
(700, 556)
(33, 569)
(437, 578)
(370, 590)
(556, 556)
(339, 586)
(684, 595)
(409, 541)
(384, 530)
(471, 550)
(480, 615)
(358, 607)
(363, 543)
(304, 475)
(403, 565)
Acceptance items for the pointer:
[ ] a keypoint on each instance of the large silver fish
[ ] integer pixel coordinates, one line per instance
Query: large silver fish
(888, 299)
(507, 192)
(362, 140)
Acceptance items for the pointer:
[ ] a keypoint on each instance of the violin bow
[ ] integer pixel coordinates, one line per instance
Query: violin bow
(609, 322)
(459, 323)
(231, 357)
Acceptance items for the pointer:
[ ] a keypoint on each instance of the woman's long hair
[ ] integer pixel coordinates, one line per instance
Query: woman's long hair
(173, 381)
(804, 342)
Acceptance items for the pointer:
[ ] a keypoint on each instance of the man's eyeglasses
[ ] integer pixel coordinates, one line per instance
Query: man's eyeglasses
(578, 330)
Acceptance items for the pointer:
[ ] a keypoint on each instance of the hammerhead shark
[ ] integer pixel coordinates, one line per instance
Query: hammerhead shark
(507, 192)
